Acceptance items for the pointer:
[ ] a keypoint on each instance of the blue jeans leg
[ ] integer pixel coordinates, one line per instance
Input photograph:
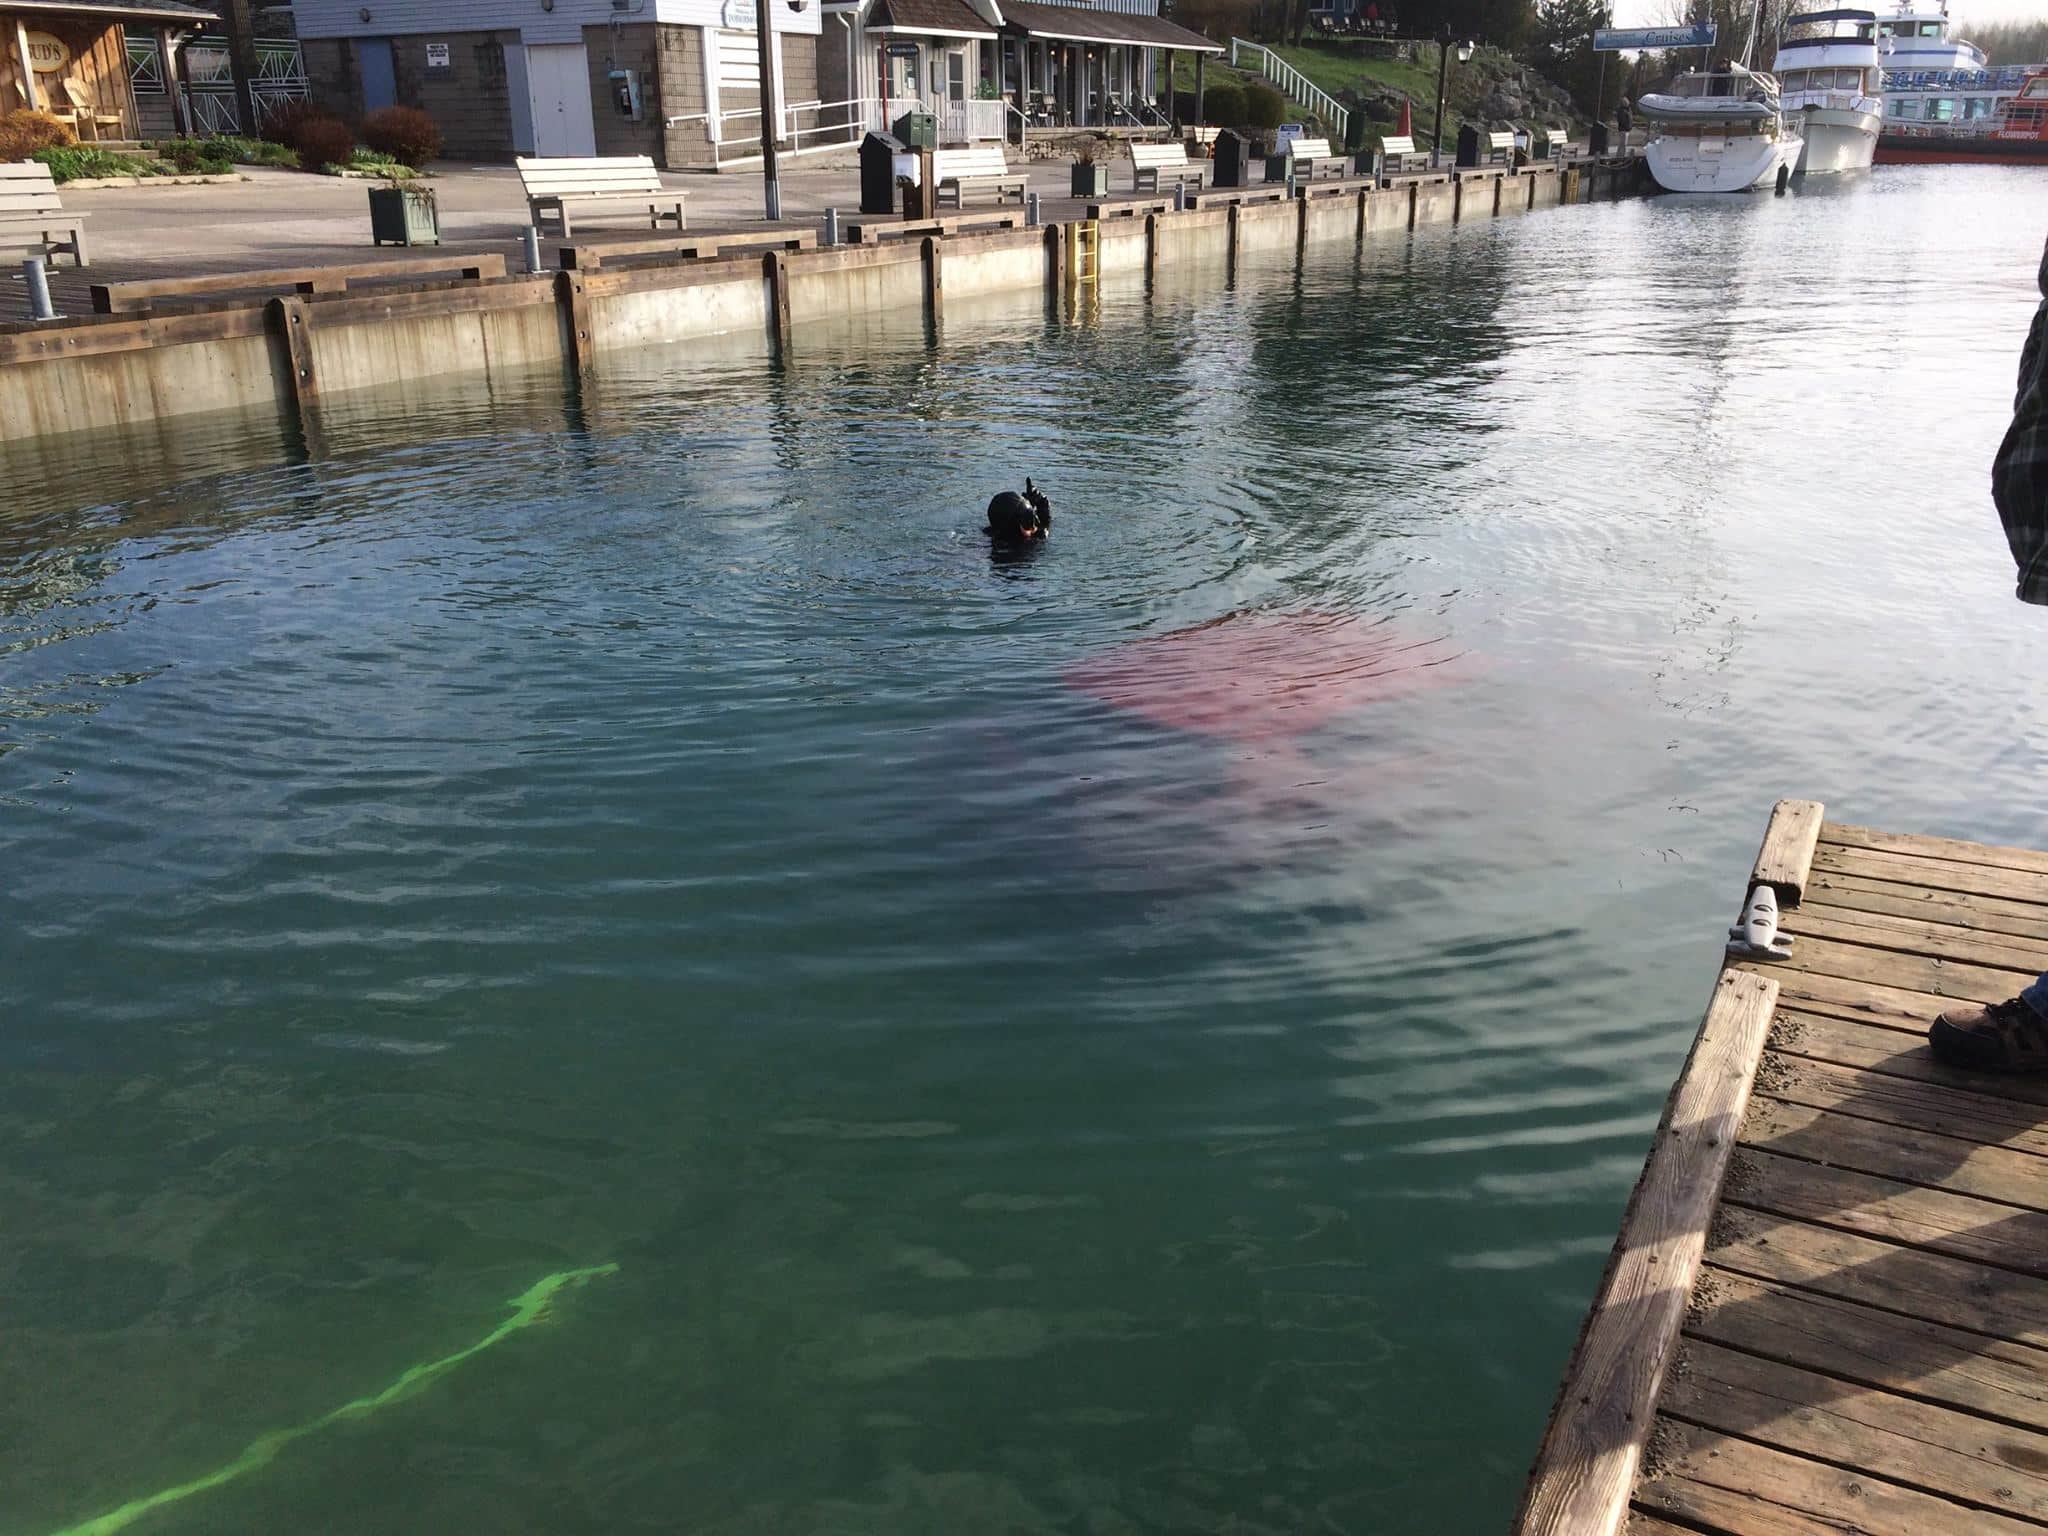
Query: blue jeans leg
(2036, 997)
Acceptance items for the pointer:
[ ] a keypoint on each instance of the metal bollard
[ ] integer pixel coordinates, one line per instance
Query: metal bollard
(532, 249)
(38, 280)
(831, 226)
(1180, 197)
(1031, 210)
(1291, 192)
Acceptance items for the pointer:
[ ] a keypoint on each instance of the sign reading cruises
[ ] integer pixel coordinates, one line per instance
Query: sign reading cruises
(1614, 39)
(737, 16)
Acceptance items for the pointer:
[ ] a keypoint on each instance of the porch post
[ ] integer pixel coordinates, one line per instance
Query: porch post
(1200, 60)
(1171, 114)
(32, 96)
(167, 50)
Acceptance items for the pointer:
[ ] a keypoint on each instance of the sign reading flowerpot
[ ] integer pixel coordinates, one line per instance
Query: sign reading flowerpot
(48, 55)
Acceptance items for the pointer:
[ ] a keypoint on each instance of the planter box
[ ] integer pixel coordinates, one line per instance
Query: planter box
(1091, 180)
(404, 216)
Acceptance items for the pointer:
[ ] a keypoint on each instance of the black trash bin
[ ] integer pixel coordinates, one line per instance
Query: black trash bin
(1233, 158)
(917, 130)
(1468, 146)
(1598, 141)
(878, 152)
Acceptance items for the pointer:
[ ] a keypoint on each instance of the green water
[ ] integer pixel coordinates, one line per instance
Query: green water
(653, 832)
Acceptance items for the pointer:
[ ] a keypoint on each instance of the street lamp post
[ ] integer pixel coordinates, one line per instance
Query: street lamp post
(764, 30)
(1443, 68)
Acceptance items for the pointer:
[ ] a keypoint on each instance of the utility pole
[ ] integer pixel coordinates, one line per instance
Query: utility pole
(1443, 67)
(764, 27)
(240, 27)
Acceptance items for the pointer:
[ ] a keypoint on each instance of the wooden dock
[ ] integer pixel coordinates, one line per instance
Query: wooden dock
(1827, 1308)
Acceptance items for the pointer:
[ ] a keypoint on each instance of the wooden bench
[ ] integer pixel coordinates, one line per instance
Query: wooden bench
(1315, 155)
(140, 297)
(588, 256)
(1400, 157)
(551, 185)
(33, 218)
(873, 231)
(983, 166)
(1152, 165)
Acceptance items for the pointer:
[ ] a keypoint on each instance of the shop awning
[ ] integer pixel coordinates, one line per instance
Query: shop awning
(170, 11)
(928, 18)
(1075, 24)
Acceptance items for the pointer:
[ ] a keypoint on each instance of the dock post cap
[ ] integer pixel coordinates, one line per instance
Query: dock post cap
(1786, 858)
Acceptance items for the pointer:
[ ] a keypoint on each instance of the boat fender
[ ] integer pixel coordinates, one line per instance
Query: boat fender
(1755, 936)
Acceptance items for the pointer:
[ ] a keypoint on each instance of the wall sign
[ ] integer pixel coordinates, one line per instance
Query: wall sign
(1613, 39)
(737, 16)
(48, 55)
(440, 58)
(902, 50)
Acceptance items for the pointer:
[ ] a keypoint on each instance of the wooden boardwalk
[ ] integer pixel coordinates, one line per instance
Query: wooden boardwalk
(1827, 1309)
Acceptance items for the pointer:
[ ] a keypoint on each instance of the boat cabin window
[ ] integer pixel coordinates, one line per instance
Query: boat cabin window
(1941, 110)
(1899, 108)
(1930, 29)
(1792, 79)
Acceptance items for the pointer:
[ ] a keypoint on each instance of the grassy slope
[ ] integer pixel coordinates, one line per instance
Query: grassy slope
(1344, 66)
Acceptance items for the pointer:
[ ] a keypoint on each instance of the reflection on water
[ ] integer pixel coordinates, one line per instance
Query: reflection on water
(1091, 1043)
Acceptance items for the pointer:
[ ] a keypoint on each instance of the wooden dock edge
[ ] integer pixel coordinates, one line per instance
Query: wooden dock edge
(1586, 1468)
(1786, 857)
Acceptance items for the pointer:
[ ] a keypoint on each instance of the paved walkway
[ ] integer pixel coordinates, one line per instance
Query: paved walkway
(286, 218)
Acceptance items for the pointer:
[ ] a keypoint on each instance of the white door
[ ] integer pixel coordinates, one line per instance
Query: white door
(558, 85)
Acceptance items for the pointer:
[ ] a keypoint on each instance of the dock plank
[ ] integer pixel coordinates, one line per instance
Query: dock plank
(1935, 1219)
(1927, 975)
(1997, 1173)
(1994, 1304)
(1913, 1104)
(1943, 875)
(1988, 915)
(1846, 925)
(1914, 1357)
(1726, 1483)
(1876, 1047)
(1589, 1457)
(1919, 1445)
(1952, 849)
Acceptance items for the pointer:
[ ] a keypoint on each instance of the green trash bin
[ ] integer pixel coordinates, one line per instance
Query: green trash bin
(917, 130)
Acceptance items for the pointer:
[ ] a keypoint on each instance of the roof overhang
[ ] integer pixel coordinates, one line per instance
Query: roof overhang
(114, 10)
(1079, 24)
(886, 29)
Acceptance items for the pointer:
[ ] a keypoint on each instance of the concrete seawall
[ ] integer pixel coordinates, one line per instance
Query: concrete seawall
(287, 355)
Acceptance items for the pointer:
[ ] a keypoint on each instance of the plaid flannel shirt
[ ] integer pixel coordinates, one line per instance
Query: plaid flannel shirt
(2019, 474)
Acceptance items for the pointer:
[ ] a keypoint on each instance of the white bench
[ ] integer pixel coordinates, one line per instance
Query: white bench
(1499, 150)
(982, 166)
(1153, 165)
(31, 216)
(1400, 157)
(551, 185)
(1314, 154)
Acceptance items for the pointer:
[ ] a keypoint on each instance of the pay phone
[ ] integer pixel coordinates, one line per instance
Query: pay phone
(626, 93)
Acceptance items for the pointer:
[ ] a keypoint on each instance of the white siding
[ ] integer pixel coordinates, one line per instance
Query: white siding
(564, 24)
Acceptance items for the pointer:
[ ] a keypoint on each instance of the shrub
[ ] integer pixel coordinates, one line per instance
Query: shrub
(1264, 107)
(406, 134)
(198, 157)
(23, 132)
(282, 121)
(320, 141)
(1223, 105)
(254, 151)
(77, 162)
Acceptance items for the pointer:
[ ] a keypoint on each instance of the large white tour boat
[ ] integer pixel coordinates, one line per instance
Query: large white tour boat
(1720, 132)
(1831, 77)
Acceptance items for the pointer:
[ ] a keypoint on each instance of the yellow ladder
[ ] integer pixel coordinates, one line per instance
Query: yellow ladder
(1084, 262)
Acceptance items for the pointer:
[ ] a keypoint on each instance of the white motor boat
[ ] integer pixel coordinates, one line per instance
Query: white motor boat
(1831, 75)
(1720, 132)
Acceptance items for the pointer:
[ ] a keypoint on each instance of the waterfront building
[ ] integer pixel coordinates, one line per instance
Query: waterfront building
(678, 80)
(70, 58)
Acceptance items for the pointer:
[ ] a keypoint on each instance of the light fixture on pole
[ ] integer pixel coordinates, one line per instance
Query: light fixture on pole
(1443, 65)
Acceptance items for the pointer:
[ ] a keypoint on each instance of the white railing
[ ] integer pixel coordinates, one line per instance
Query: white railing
(1297, 87)
(812, 127)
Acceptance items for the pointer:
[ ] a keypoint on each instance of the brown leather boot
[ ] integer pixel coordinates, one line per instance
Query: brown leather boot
(1998, 1037)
